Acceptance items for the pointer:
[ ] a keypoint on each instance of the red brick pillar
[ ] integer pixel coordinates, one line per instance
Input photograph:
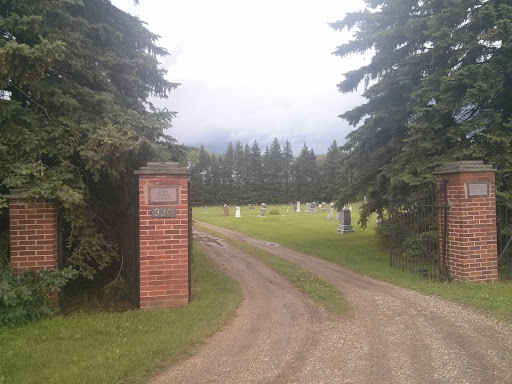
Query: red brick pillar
(163, 238)
(32, 235)
(471, 246)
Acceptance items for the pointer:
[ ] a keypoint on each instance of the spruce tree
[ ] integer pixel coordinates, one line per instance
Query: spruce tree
(439, 89)
(76, 118)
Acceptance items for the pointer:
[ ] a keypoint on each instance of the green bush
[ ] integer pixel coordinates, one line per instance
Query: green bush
(24, 295)
(274, 212)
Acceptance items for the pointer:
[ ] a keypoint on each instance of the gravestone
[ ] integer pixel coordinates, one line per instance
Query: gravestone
(298, 206)
(331, 209)
(378, 220)
(324, 206)
(225, 211)
(345, 222)
(205, 209)
(262, 209)
(308, 208)
(237, 214)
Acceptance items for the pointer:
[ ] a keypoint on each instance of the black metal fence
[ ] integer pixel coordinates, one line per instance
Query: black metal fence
(504, 226)
(127, 235)
(416, 244)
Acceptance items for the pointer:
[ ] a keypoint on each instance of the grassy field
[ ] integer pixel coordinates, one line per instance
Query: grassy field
(360, 251)
(118, 347)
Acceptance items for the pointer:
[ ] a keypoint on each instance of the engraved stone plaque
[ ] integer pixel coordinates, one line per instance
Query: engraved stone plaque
(478, 189)
(167, 194)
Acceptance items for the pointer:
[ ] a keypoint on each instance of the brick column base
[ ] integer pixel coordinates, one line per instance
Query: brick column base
(472, 252)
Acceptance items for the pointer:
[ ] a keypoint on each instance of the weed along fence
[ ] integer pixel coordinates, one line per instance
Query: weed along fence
(451, 232)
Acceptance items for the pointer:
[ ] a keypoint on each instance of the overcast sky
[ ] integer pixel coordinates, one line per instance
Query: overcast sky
(253, 70)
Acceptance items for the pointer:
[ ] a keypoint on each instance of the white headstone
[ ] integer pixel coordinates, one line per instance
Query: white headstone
(331, 209)
(378, 220)
(263, 209)
(237, 214)
(298, 206)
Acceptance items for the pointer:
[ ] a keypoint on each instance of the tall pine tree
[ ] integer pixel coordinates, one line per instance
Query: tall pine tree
(439, 90)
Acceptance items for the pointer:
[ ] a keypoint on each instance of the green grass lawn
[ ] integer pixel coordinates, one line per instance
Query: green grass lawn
(118, 347)
(360, 251)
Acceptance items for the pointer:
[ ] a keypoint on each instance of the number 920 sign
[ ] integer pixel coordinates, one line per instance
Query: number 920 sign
(163, 212)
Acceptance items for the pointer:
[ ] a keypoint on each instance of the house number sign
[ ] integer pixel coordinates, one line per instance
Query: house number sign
(163, 212)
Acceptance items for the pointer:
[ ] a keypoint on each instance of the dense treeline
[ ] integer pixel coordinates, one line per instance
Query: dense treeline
(245, 174)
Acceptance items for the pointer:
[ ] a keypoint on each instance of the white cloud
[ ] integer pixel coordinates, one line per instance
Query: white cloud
(253, 70)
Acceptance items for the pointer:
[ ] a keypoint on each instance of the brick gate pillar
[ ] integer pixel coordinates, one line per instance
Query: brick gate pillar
(471, 246)
(163, 235)
(32, 235)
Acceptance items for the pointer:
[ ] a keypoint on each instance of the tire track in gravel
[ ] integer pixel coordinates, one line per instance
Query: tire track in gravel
(398, 335)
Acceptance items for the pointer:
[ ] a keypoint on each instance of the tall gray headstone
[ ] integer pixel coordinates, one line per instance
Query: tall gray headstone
(345, 221)
(308, 208)
(225, 211)
(298, 206)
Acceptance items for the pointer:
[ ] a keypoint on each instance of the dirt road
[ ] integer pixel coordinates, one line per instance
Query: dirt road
(395, 336)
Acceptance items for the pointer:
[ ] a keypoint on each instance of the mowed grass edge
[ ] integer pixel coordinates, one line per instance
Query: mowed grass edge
(119, 347)
(307, 282)
(361, 251)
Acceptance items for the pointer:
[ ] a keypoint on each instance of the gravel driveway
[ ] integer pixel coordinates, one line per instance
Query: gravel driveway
(395, 336)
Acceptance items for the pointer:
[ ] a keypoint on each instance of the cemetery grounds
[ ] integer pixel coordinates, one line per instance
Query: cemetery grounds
(130, 346)
(361, 251)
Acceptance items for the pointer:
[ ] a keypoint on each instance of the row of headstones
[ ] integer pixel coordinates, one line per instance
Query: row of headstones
(225, 210)
(343, 217)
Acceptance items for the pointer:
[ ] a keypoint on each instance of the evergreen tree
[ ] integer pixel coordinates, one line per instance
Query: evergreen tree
(266, 172)
(75, 114)
(306, 175)
(288, 172)
(228, 174)
(441, 87)
(275, 179)
(238, 173)
(332, 174)
(246, 175)
(255, 174)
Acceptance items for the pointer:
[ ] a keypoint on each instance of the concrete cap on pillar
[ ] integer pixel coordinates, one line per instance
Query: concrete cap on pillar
(463, 167)
(162, 168)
